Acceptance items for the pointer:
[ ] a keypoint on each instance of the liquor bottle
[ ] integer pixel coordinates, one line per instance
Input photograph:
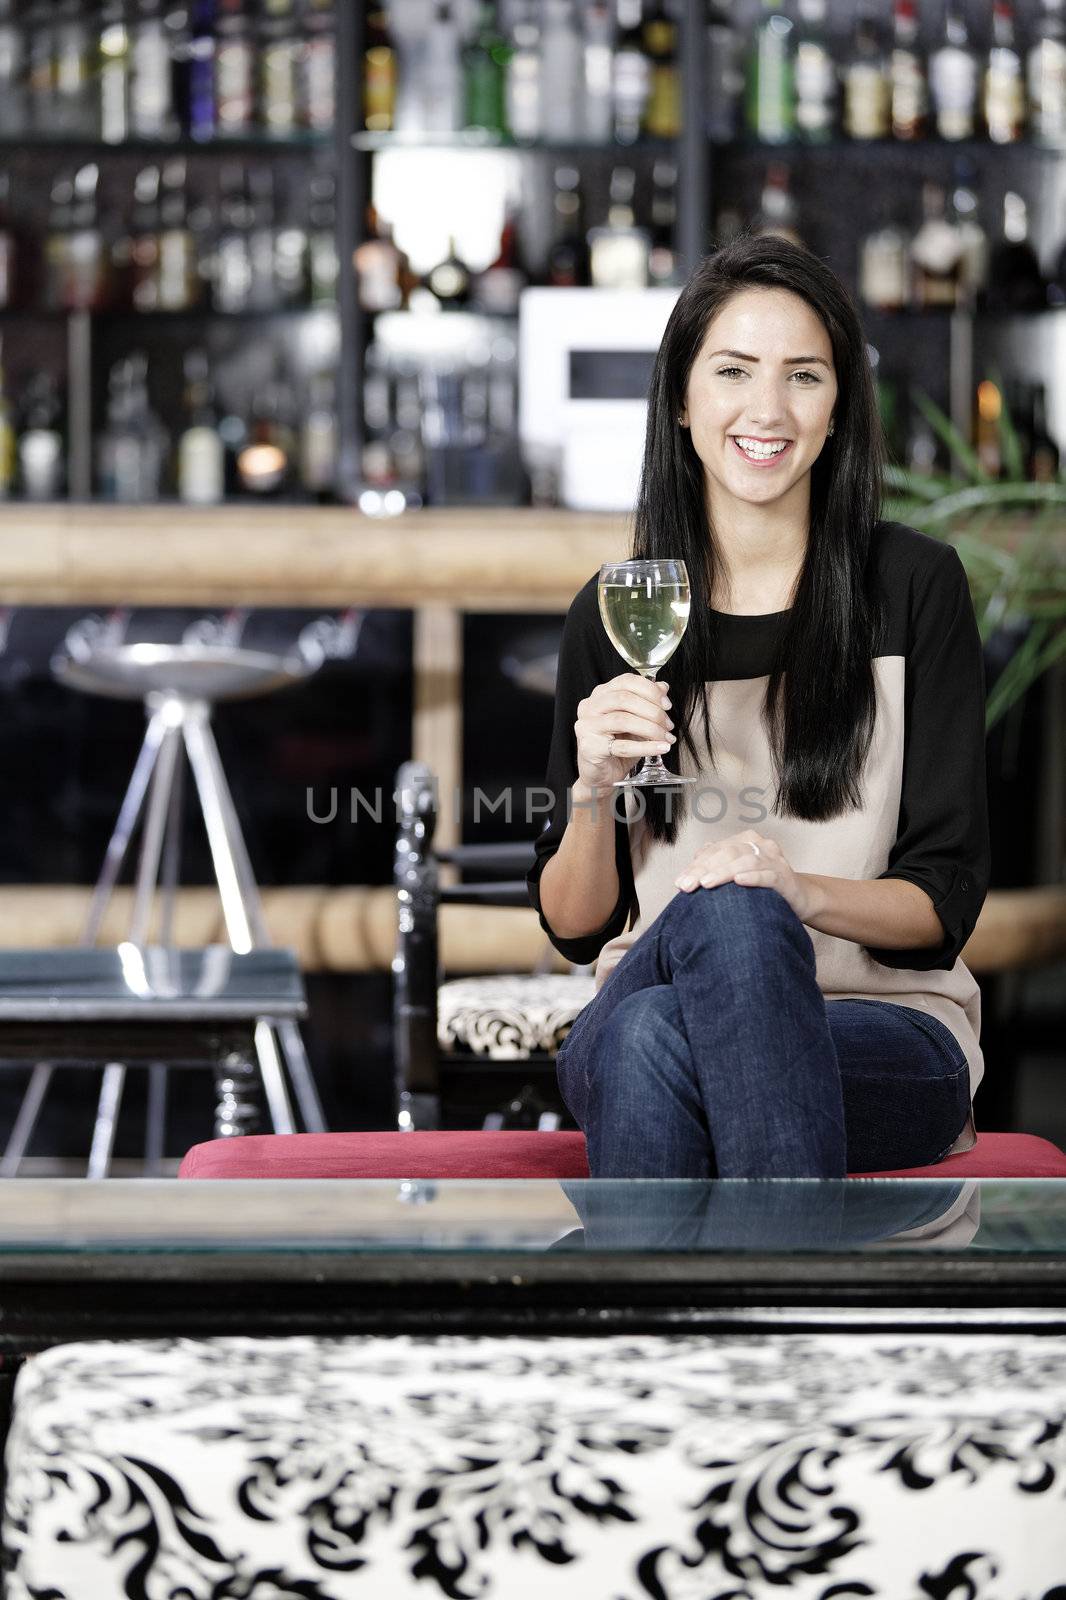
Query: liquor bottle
(598, 64)
(631, 78)
(442, 78)
(936, 250)
(562, 71)
(262, 233)
(86, 278)
(7, 437)
(199, 70)
(1015, 282)
(291, 265)
(380, 73)
(138, 262)
(13, 110)
(318, 67)
(234, 70)
(132, 448)
(778, 212)
(71, 70)
(1003, 100)
(179, 283)
(485, 60)
(1046, 74)
(662, 114)
(867, 82)
(60, 210)
(40, 443)
(503, 388)
(1042, 460)
(114, 73)
(498, 288)
(568, 256)
(279, 65)
(151, 84)
(662, 258)
(522, 89)
(884, 268)
(377, 460)
(988, 410)
(619, 251)
(201, 457)
(449, 280)
(770, 102)
(910, 92)
(8, 248)
(973, 240)
(402, 453)
(323, 260)
(266, 460)
(815, 75)
(318, 439)
(232, 264)
(725, 75)
(40, 66)
(953, 78)
(377, 266)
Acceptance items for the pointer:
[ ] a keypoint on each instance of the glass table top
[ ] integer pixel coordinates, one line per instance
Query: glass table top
(137, 982)
(548, 1220)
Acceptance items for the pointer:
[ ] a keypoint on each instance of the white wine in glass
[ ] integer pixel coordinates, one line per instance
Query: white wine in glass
(644, 607)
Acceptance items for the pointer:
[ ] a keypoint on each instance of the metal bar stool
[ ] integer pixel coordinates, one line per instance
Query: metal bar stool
(180, 685)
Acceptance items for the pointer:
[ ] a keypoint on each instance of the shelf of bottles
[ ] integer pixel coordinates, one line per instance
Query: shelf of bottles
(167, 177)
(577, 111)
(917, 148)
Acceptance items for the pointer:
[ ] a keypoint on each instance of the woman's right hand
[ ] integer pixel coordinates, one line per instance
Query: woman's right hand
(619, 722)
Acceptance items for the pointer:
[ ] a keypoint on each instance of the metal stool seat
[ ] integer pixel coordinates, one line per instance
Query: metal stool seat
(195, 672)
(179, 685)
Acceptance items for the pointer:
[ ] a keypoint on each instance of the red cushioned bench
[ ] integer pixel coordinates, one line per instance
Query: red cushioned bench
(513, 1154)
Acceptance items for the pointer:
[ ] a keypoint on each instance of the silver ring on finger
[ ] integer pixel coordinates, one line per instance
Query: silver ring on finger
(610, 745)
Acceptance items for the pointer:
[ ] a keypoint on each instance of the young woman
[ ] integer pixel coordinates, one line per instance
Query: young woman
(788, 1000)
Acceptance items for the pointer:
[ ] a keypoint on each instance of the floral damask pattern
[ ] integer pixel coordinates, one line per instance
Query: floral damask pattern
(510, 1018)
(719, 1467)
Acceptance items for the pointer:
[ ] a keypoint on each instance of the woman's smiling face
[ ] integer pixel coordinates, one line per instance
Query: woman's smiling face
(760, 399)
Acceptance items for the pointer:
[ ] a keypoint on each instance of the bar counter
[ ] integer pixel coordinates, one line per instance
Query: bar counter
(480, 559)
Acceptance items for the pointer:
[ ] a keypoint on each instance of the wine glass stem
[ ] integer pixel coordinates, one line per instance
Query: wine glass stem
(652, 763)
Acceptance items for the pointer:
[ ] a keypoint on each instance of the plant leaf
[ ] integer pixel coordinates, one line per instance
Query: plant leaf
(1023, 670)
(950, 437)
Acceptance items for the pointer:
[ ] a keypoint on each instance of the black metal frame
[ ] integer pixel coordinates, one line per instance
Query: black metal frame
(457, 1091)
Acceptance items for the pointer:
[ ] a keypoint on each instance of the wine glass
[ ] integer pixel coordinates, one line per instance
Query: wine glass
(644, 606)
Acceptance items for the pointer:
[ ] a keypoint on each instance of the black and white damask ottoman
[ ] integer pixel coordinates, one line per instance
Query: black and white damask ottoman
(730, 1467)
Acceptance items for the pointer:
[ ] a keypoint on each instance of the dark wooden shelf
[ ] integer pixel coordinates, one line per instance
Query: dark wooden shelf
(182, 144)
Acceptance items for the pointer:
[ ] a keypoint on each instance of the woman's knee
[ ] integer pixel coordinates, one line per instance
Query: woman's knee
(737, 923)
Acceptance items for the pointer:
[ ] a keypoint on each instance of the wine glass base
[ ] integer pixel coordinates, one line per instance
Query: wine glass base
(652, 780)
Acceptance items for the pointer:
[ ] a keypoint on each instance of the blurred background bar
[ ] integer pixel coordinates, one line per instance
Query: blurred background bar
(332, 321)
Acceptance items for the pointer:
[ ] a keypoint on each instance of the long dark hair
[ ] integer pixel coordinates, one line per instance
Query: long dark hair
(820, 702)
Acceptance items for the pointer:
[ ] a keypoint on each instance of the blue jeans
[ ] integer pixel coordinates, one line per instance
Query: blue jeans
(711, 1051)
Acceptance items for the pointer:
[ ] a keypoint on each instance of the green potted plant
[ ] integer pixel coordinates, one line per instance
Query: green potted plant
(1016, 582)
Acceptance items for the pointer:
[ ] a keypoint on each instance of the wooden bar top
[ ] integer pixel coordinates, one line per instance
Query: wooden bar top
(479, 559)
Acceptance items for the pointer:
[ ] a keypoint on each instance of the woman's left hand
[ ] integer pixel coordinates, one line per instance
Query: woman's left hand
(733, 860)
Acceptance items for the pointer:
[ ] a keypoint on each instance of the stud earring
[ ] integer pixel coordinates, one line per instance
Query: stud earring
(830, 430)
